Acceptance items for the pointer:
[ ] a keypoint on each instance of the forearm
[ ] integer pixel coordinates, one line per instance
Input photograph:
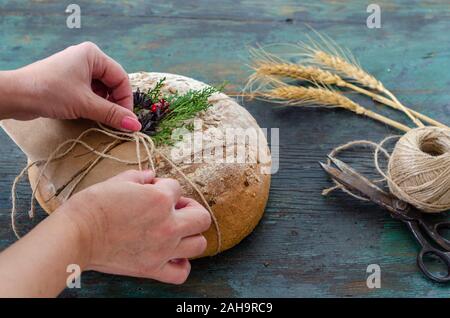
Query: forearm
(36, 266)
(18, 95)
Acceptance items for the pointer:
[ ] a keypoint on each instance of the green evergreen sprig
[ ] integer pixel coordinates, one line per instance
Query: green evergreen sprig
(181, 108)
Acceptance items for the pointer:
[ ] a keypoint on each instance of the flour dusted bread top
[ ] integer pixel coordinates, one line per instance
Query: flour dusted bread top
(237, 192)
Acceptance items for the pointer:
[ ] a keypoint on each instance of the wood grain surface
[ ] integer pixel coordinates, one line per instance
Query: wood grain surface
(307, 245)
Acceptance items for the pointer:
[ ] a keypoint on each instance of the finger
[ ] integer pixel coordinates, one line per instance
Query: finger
(170, 187)
(174, 272)
(99, 88)
(190, 247)
(111, 114)
(191, 221)
(184, 202)
(142, 177)
(112, 74)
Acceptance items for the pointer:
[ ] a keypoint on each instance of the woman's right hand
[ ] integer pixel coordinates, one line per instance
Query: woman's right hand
(78, 82)
(137, 225)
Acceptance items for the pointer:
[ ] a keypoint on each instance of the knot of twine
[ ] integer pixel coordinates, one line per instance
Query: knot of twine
(418, 170)
(67, 146)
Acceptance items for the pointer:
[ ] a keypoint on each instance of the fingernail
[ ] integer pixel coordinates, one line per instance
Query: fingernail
(130, 123)
(148, 176)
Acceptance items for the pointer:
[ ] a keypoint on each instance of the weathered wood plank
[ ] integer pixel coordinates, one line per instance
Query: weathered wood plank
(306, 245)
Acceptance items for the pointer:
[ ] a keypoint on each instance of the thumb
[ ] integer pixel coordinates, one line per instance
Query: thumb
(141, 177)
(111, 114)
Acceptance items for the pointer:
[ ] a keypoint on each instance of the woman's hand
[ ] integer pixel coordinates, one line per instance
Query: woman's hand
(132, 224)
(137, 225)
(78, 82)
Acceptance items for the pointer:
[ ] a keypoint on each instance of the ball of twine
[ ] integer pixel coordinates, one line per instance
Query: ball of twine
(419, 169)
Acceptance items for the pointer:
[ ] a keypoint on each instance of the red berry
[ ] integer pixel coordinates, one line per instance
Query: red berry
(154, 108)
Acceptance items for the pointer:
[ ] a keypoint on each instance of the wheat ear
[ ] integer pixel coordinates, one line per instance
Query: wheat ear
(355, 73)
(317, 75)
(267, 64)
(298, 96)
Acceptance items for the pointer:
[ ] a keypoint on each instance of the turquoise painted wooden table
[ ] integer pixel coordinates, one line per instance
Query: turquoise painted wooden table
(306, 245)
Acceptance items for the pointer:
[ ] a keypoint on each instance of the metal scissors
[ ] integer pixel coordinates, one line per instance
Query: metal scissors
(427, 233)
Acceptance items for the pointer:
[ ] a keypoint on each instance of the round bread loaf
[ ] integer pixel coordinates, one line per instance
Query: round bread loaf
(237, 192)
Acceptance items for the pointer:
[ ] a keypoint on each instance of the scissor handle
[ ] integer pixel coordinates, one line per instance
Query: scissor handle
(443, 256)
(434, 231)
(427, 250)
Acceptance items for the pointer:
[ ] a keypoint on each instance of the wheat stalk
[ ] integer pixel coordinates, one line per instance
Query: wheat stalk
(354, 72)
(320, 96)
(329, 65)
(392, 104)
(317, 75)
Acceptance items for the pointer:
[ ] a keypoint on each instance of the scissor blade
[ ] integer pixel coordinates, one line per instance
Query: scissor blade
(343, 166)
(350, 171)
(360, 185)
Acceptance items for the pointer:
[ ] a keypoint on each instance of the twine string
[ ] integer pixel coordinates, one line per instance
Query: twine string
(378, 147)
(137, 137)
(414, 175)
(419, 171)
